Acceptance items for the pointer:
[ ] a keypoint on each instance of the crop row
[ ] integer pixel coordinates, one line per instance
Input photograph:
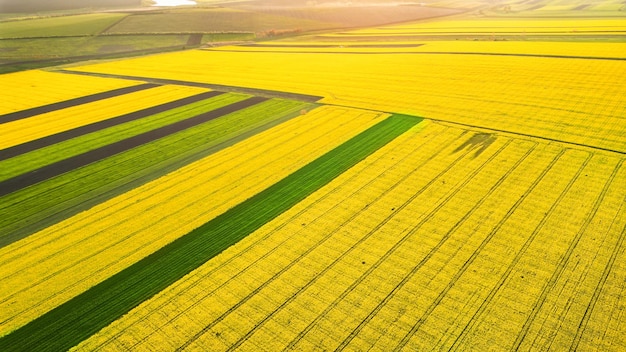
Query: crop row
(433, 232)
(147, 218)
(566, 99)
(61, 148)
(22, 114)
(55, 198)
(46, 124)
(30, 89)
(506, 48)
(88, 312)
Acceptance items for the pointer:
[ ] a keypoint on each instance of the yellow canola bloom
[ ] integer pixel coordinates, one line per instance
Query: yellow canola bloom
(492, 25)
(29, 89)
(32, 128)
(49, 267)
(582, 49)
(442, 230)
(258, 256)
(572, 100)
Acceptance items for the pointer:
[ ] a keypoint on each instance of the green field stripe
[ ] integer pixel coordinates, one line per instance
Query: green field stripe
(77, 319)
(45, 203)
(59, 137)
(38, 158)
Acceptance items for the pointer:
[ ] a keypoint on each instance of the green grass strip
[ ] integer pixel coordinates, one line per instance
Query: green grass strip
(84, 315)
(45, 203)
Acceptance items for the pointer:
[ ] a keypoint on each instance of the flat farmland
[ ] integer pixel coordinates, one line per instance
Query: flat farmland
(374, 259)
(520, 94)
(449, 184)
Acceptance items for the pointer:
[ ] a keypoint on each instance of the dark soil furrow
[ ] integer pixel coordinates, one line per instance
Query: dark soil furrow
(18, 115)
(28, 179)
(100, 125)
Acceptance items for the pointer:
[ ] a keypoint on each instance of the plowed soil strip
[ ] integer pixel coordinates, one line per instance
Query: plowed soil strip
(94, 127)
(22, 114)
(87, 313)
(28, 179)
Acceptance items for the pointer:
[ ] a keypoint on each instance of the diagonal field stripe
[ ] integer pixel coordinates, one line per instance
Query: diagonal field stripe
(22, 114)
(97, 126)
(49, 171)
(77, 319)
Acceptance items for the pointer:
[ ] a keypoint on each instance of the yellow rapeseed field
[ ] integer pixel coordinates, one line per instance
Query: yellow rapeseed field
(572, 100)
(497, 223)
(506, 25)
(29, 89)
(445, 238)
(584, 49)
(51, 266)
(32, 128)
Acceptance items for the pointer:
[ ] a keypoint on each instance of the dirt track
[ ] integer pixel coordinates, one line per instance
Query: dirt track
(67, 165)
(77, 132)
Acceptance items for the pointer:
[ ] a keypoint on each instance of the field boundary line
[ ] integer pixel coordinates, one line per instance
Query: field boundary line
(252, 91)
(46, 141)
(544, 56)
(531, 136)
(22, 114)
(458, 274)
(556, 275)
(50, 171)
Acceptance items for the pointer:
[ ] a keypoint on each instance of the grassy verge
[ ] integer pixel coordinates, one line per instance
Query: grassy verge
(88, 24)
(35, 207)
(87, 313)
(45, 156)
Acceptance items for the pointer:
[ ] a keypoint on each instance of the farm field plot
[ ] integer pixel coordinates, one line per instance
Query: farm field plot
(496, 25)
(46, 124)
(211, 20)
(595, 30)
(374, 259)
(131, 216)
(546, 49)
(529, 95)
(17, 88)
(37, 153)
(88, 24)
(28, 49)
(57, 190)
